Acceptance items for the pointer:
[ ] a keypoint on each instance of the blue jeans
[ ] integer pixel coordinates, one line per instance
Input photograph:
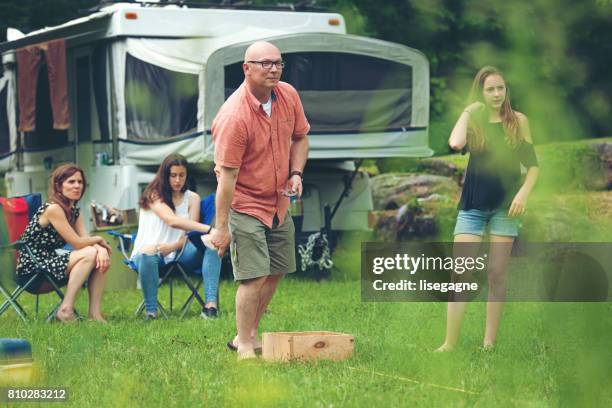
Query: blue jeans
(191, 259)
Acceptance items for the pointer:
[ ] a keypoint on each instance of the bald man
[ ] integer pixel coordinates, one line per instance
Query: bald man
(261, 147)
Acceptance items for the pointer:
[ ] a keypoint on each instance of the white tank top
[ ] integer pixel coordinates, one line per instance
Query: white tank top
(153, 231)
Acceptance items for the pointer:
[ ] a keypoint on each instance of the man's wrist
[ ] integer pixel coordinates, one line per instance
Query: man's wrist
(296, 173)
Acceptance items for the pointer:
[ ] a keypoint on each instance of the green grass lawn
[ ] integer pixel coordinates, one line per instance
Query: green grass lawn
(547, 354)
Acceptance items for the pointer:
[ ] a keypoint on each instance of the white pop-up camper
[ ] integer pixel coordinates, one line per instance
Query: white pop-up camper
(146, 79)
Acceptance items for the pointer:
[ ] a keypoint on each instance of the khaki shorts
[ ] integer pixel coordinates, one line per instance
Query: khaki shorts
(261, 251)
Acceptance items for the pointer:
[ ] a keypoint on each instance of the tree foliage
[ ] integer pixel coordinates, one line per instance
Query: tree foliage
(555, 53)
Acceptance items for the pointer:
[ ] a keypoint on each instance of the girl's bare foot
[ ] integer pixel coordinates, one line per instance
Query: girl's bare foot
(444, 348)
(98, 318)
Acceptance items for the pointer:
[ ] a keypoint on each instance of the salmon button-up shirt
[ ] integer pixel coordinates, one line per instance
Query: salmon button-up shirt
(246, 138)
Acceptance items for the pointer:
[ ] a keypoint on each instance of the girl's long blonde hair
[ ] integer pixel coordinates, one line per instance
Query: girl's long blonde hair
(475, 135)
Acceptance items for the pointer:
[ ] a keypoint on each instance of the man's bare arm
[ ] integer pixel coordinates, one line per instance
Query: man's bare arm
(226, 184)
(297, 156)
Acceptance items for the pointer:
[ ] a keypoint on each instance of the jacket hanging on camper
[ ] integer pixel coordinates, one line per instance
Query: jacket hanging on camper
(28, 65)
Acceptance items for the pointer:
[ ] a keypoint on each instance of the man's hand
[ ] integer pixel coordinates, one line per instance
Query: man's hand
(295, 185)
(221, 238)
(102, 259)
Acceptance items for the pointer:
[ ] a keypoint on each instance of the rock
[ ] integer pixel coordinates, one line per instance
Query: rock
(440, 167)
(406, 223)
(391, 191)
(434, 197)
(415, 220)
(598, 166)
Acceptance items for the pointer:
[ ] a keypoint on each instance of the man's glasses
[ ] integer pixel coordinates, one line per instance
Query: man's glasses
(268, 64)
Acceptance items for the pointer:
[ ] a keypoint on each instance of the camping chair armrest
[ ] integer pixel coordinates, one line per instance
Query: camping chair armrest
(13, 246)
(125, 241)
(22, 246)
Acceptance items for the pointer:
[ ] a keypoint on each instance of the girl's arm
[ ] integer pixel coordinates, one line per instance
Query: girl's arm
(194, 215)
(519, 203)
(169, 217)
(458, 136)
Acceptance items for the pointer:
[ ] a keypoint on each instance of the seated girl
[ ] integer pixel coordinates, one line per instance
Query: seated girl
(167, 210)
(56, 223)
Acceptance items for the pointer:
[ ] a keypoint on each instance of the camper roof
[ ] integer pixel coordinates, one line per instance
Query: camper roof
(173, 21)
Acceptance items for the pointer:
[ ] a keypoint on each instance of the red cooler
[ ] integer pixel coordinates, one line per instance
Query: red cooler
(16, 215)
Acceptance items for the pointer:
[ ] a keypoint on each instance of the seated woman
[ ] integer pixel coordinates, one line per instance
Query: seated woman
(56, 223)
(167, 210)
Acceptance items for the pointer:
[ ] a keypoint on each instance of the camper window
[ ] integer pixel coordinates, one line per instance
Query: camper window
(159, 103)
(343, 92)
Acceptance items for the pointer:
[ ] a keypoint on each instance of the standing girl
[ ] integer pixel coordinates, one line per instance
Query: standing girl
(499, 141)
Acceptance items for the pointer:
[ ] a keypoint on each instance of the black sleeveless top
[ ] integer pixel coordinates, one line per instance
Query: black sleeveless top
(493, 175)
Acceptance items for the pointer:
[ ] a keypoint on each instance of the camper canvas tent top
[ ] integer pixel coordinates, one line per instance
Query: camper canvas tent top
(145, 81)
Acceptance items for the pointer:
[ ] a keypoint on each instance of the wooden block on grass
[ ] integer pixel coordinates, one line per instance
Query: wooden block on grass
(285, 346)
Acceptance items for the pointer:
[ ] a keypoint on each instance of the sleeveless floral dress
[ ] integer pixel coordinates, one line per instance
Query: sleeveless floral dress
(43, 242)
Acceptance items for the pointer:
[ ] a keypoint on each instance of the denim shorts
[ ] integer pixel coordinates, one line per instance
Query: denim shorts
(475, 222)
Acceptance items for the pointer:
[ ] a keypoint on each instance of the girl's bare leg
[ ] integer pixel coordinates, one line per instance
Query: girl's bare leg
(456, 310)
(501, 247)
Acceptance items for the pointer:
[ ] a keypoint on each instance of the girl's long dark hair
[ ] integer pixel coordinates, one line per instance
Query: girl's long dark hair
(59, 175)
(475, 135)
(160, 188)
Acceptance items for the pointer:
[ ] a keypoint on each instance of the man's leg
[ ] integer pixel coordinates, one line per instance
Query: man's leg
(250, 260)
(280, 243)
(248, 298)
(267, 291)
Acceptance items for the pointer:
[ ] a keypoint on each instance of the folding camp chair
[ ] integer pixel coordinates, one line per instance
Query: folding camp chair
(170, 271)
(15, 214)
